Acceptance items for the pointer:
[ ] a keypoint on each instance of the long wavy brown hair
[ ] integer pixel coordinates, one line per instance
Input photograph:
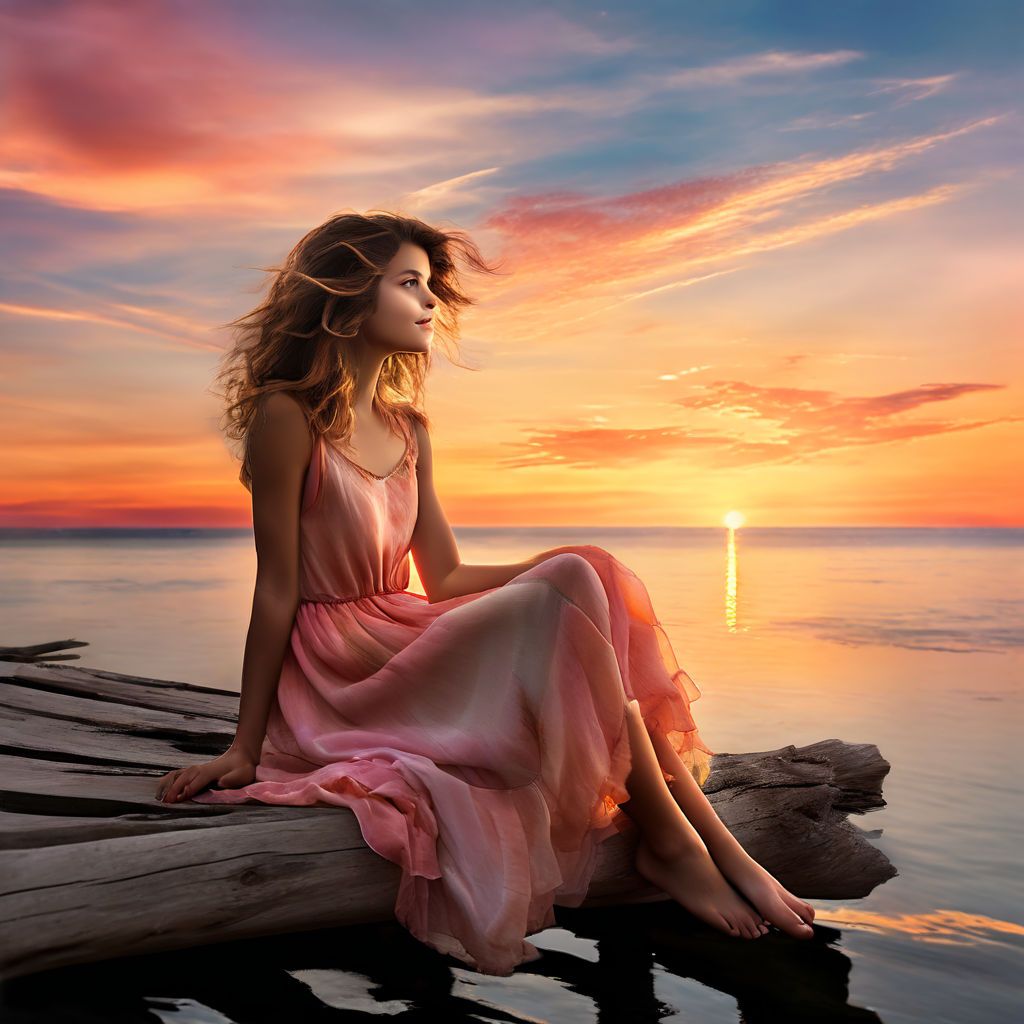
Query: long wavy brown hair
(327, 287)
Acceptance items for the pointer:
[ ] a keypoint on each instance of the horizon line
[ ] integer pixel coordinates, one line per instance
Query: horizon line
(575, 526)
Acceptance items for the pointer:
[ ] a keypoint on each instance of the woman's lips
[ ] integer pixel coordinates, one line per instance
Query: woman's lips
(425, 323)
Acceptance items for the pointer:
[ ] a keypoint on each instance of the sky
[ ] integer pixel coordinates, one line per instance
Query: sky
(757, 257)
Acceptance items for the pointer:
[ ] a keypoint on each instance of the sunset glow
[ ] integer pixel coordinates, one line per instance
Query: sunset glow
(734, 520)
(733, 266)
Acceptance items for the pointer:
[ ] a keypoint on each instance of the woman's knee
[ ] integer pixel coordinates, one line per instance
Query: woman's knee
(578, 582)
(571, 567)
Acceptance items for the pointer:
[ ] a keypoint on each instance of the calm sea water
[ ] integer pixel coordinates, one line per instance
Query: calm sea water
(910, 639)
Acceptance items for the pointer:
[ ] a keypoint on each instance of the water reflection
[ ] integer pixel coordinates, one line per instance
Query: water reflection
(611, 968)
(908, 639)
(731, 583)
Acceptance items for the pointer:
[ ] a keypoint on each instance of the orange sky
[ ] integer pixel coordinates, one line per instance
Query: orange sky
(777, 278)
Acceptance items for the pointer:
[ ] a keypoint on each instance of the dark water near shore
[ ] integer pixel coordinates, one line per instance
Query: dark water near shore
(909, 639)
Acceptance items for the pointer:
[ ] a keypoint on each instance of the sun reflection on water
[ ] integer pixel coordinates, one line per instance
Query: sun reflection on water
(733, 521)
(731, 607)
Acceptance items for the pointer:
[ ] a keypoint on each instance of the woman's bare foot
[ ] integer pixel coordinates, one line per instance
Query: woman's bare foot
(691, 878)
(772, 899)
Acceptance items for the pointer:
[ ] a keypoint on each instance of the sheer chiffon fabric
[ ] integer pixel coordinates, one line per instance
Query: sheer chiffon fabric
(481, 741)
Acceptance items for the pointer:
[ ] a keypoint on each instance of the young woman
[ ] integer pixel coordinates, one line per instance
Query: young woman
(489, 735)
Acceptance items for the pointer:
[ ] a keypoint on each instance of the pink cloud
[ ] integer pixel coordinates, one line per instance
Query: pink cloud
(564, 247)
(807, 423)
(802, 409)
(803, 424)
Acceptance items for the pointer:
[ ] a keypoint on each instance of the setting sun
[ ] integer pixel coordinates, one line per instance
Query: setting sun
(734, 520)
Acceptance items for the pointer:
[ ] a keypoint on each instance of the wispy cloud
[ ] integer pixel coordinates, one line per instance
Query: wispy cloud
(815, 122)
(904, 90)
(179, 330)
(770, 425)
(628, 247)
(451, 191)
(806, 423)
(139, 107)
(634, 170)
(675, 375)
(910, 90)
(755, 65)
(802, 409)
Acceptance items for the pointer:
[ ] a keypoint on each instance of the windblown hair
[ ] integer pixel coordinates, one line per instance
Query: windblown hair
(295, 340)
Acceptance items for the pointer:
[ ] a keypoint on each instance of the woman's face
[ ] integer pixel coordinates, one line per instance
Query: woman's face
(403, 297)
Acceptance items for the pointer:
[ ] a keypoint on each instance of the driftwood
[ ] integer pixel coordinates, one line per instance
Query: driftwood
(94, 866)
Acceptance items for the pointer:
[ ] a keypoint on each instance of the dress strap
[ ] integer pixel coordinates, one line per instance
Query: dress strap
(409, 426)
(314, 474)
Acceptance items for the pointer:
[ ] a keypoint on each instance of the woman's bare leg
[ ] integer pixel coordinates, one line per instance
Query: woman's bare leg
(670, 853)
(765, 892)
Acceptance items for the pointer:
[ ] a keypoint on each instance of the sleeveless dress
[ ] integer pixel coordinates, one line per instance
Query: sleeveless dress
(480, 741)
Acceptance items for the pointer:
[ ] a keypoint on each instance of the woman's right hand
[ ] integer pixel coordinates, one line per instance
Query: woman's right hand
(232, 770)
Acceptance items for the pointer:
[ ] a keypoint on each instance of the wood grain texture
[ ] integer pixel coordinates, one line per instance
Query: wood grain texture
(93, 866)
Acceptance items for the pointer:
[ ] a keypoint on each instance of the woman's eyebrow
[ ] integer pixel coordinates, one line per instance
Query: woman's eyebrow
(416, 272)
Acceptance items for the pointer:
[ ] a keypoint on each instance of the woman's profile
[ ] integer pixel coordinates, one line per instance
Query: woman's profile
(490, 734)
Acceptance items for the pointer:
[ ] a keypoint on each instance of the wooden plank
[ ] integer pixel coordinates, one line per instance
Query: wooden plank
(94, 866)
(81, 902)
(40, 723)
(137, 691)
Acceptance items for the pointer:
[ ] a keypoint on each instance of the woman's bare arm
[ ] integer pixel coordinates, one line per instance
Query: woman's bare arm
(434, 550)
(280, 447)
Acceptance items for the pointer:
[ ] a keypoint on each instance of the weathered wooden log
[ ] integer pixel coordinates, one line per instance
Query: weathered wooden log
(38, 652)
(94, 866)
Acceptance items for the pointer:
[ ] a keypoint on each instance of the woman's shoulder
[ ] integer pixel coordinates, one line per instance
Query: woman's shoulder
(418, 423)
(282, 404)
(280, 416)
(278, 444)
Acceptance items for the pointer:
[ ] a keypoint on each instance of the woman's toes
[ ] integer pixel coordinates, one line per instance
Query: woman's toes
(790, 919)
(800, 925)
(802, 919)
(803, 929)
(801, 908)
